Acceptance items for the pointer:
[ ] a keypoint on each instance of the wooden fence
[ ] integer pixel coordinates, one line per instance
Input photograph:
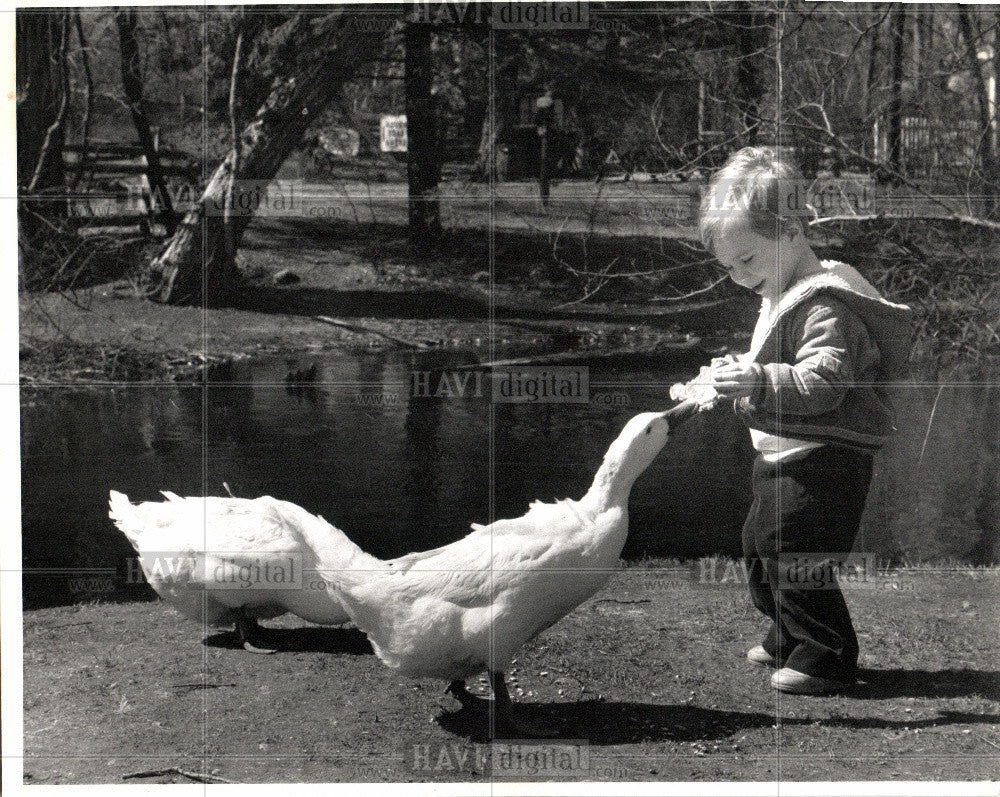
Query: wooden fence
(111, 185)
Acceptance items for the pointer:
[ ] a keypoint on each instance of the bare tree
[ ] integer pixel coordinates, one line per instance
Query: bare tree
(752, 37)
(985, 105)
(42, 97)
(88, 87)
(896, 103)
(159, 200)
(424, 156)
(234, 85)
(42, 102)
(320, 56)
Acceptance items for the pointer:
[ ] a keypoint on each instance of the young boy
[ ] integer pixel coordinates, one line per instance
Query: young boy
(811, 389)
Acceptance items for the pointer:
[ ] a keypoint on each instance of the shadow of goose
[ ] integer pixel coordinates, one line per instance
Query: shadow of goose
(307, 639)
(603, 723)
(610, 723)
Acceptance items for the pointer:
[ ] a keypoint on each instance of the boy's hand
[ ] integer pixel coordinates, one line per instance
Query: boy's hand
(718, 362)
(733, 380)
(702, 389)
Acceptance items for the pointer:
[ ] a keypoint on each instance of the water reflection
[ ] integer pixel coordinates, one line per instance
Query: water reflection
(400, 469)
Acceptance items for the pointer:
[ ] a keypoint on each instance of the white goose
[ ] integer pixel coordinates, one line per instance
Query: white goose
(469, 606)
(205, 556)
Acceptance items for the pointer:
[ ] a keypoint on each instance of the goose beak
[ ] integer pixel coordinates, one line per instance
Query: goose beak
(675, 416)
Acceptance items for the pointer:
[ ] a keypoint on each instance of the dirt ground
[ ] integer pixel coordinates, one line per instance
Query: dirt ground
(648, 676)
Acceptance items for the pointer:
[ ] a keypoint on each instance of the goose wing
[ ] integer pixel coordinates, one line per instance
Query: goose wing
(516, 539)
(508, 546)
(207, 533)
(247, 536)
(446, 612)
(455, 586)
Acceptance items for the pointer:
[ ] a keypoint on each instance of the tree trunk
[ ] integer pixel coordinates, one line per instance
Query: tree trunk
(874, 56)
(424, 158)
(896, 159)
(995, 177)
(505, 103)
(40, 81)
(159, 201)
(981, 78)
(487, 152)
(234, 84)
(88, 106)
(196, 266)
(751, 37)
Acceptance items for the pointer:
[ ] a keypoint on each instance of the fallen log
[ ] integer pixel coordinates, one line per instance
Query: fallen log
(409, 344)
(690, 347)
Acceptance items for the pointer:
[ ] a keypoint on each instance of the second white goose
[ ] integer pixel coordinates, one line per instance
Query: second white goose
(207, 557)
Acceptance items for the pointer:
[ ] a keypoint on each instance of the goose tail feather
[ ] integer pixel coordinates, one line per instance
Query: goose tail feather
(122, 512)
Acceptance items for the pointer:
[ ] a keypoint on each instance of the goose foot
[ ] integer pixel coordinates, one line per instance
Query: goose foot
(469, 701)
(249, 629)
(505, 724)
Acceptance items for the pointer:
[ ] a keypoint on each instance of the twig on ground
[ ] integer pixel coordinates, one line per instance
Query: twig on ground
(616, 600)
(930, 421)
(201, 686)
(200, 777)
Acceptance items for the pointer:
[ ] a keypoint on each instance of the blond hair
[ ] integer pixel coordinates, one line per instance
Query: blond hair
(754, 190)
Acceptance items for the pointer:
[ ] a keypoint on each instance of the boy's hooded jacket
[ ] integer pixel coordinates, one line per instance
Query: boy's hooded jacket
(825, 358)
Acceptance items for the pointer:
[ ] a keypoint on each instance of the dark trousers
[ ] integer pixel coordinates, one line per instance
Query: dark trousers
(803, 521)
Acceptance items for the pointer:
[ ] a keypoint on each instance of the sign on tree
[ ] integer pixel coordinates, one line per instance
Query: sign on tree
(392, 133)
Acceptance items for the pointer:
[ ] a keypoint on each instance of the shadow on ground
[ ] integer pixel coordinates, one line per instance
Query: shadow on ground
(519, 259)
(887, 684)
(609, 723)
(301, 640)
(612, 723)
(434, 303)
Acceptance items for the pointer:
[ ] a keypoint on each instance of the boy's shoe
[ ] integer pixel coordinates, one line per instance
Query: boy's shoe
(798, 683)
(760, 656)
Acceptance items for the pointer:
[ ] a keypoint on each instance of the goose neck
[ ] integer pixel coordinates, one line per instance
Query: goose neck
(611, 486)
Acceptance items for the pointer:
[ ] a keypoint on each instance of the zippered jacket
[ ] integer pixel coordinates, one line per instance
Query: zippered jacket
(829, 351)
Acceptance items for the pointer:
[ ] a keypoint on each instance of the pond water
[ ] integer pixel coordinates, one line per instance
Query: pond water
(404, 450)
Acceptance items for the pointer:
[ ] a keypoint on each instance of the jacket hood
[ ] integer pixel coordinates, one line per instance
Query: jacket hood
(888, 322)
